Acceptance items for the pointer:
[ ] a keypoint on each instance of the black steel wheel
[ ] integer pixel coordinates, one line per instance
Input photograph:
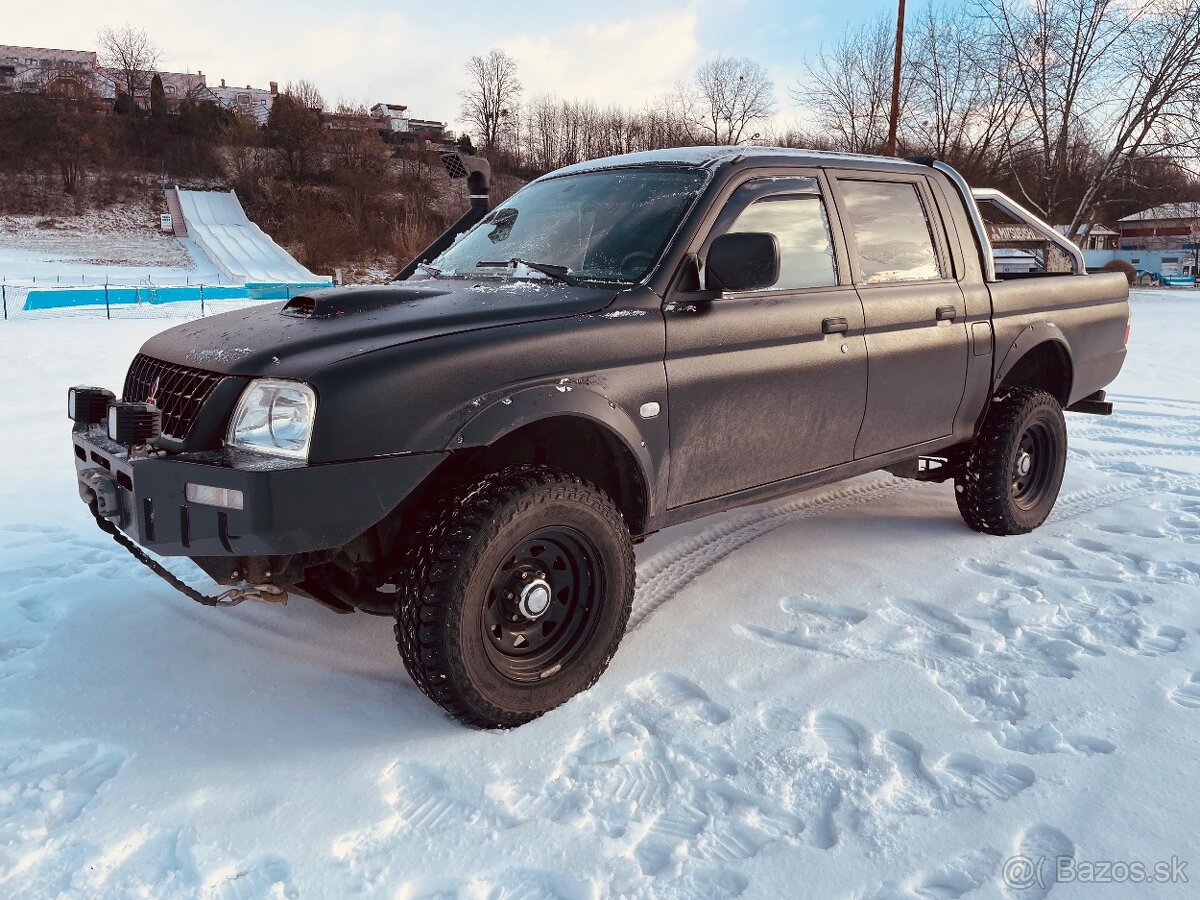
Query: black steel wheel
(543, 603)
(1034, 465)
(515, 595)
(1012, 472)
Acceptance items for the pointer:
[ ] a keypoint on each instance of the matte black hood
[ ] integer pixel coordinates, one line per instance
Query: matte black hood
(316, 329)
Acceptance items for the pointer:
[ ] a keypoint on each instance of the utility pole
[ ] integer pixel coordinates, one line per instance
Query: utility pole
(891, 144)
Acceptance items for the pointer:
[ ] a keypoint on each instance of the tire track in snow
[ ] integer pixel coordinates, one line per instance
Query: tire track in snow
(671, 570)
(674, 568)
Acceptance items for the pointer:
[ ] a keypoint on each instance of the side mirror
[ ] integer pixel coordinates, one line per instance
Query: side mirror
(745, 261)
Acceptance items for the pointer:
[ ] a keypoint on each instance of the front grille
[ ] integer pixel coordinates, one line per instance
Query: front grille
(180, 394)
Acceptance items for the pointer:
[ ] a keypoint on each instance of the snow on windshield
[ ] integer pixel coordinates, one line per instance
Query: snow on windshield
(607, 226)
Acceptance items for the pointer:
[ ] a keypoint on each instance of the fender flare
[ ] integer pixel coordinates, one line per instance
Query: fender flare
(1031, 337)
(545, 401)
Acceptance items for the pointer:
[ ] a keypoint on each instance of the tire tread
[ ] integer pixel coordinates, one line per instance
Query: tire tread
(450, 541)
(983, 486)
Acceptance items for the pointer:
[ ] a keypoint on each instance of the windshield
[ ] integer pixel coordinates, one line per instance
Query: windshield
(600, 226)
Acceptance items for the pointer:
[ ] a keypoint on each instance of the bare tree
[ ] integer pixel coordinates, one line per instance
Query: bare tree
(1071, 104)
(556, 132)
(733, 94)
(306, 94)
(961, 106)
(1065, 59)
(492, 96)
(848, 86)
(1154, 113)
(131, 54)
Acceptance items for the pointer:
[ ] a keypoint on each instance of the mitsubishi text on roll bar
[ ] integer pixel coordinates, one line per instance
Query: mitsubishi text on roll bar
(1016, 211)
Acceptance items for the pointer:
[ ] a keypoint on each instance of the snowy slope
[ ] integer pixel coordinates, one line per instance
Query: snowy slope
(841, 694)
(217, 224)
(121, 243)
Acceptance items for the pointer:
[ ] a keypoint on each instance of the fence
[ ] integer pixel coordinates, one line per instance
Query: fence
(134, 298)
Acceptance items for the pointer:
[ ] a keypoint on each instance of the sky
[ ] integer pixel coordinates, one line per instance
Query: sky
(621, 51)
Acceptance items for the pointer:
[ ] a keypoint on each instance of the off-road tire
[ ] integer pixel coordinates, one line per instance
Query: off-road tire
(985, 486)
(450, 564)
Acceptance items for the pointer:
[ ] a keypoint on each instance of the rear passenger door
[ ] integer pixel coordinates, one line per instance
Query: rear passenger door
(916, 326)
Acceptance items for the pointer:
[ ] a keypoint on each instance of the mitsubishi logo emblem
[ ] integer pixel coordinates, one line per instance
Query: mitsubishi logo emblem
(150, 398)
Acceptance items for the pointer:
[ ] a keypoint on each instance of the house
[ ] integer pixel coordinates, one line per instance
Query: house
(1099, 237)
(427, 129)
(396, 126)
(77, 74)
(1009, 260)
(181, 86)
(342, 121)
(65, 73)
(390, 118)
(249, 101)
(1167, 227)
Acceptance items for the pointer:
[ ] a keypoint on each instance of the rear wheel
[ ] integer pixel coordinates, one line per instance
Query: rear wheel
(1012, 473)
(515, 595)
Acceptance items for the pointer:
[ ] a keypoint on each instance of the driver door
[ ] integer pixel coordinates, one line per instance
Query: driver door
(765, 385)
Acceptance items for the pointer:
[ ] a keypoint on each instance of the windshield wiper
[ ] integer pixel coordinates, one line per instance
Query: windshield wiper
(432, 270)
(559, 273)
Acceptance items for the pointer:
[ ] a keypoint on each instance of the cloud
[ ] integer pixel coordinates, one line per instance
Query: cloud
(398, 52)
(627, 62)
(363, 55)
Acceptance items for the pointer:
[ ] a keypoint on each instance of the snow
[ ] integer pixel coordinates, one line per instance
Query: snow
(845, 693)
(121, 243)
(218, 225)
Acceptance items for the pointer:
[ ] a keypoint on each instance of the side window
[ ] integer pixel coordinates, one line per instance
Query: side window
(891, 230)
(801, 226)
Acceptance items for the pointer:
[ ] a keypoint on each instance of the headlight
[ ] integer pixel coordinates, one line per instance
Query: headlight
(274, 417)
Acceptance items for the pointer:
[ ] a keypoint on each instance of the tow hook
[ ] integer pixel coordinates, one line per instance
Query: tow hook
(267, 593)
(98, 487)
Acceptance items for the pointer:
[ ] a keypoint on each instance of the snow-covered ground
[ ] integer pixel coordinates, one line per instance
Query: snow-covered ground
(121, 243)
(841, 694)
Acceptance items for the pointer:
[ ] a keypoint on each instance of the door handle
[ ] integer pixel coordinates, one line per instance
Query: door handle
(835, 325)
(947, 313)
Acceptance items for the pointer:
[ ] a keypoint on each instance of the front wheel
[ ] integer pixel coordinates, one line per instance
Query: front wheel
(1010, 478)
(515, 595)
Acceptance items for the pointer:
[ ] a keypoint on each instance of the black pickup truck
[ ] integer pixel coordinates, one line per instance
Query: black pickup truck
(623, 345)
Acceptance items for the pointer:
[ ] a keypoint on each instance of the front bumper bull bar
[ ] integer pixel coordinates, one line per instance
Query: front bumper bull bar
(287, 507)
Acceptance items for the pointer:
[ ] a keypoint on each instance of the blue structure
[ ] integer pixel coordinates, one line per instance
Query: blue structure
(54, 298)
(58, 298)
(1172, 267)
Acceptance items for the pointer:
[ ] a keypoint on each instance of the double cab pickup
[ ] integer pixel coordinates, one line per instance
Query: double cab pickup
(623, 345)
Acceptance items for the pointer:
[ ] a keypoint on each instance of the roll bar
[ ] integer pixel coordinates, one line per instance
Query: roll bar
(972, 197)
(1020, 213)
(968, 198)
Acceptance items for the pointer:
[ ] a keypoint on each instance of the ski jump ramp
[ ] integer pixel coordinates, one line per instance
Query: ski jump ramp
(241, 250)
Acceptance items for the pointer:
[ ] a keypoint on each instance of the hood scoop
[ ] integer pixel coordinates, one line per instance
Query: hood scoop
(334, 302)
